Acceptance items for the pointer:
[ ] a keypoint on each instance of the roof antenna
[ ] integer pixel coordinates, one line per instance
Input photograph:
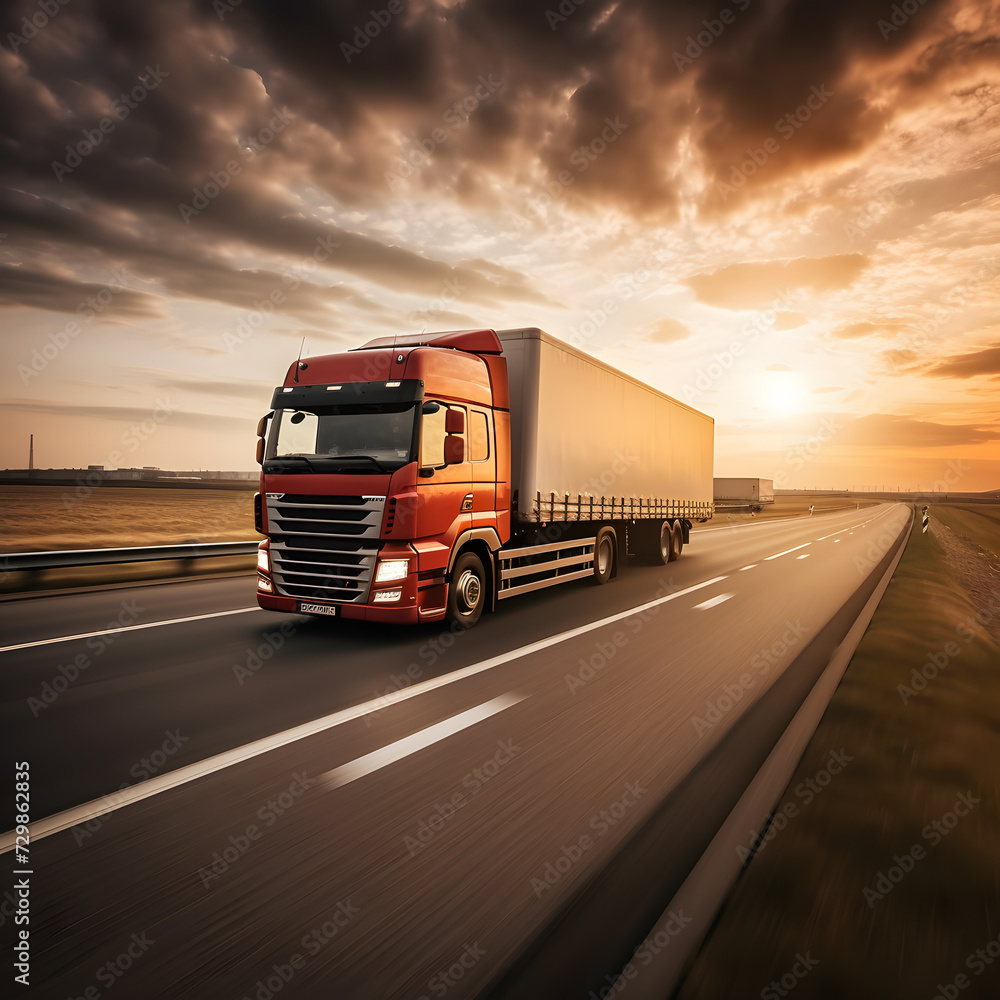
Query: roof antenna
(298, 360)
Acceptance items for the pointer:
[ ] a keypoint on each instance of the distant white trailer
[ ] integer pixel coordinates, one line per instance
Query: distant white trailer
(743, 492)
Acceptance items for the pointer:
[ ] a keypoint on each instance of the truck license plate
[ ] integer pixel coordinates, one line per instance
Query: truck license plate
(317, 609)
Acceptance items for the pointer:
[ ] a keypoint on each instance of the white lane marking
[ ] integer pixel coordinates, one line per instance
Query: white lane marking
(126, 628)
(831, 535)
(183, 775)
(712, 602)
(743, 569)
(408, 745)
(836, 540)
(803, 556)
(785, 553)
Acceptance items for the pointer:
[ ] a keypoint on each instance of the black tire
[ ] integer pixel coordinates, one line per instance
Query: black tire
(467, 591)
(604, 555)
(663, 545)
(676, 542)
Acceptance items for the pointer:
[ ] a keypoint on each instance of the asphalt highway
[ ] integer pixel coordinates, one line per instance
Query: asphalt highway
(310, 808)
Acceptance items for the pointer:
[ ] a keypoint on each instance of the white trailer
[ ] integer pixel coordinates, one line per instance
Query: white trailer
(590, 443)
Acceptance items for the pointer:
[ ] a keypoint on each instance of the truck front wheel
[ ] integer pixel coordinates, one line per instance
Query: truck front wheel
(467, 591)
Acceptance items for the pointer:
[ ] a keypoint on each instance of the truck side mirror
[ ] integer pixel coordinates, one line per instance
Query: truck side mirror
(454, 421)
(261, 431)
(454, 448)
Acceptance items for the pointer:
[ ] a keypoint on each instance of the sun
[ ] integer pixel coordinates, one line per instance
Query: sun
(782, 392)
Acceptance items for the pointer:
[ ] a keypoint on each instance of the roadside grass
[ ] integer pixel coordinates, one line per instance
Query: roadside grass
(913, 755)
(42, 518)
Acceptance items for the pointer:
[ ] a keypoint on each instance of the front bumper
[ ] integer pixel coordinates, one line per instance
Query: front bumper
(419, 602)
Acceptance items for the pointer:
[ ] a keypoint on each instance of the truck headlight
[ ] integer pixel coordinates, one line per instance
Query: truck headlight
(264, 584)
(392, 569)
(387, 596)
(263, 561)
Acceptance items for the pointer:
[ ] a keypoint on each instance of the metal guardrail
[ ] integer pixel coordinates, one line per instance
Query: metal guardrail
(14, 561)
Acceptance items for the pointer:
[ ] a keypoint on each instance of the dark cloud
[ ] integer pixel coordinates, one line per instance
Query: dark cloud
(38, 289)
(985, 362)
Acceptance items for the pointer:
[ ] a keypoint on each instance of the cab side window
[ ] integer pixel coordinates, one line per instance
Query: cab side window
(432, 436)
(479, 437)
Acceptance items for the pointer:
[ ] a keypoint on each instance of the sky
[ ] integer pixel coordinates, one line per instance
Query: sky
(781, 212)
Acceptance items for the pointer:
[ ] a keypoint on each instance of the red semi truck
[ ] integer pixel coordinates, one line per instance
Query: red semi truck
(422, 478)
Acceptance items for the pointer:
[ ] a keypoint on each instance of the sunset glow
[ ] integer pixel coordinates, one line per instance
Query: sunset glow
(784, 215)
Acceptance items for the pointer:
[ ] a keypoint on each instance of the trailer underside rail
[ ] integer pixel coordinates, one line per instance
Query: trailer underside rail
(545, 565)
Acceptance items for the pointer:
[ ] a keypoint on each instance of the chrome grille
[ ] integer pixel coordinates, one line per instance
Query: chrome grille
(323, 547)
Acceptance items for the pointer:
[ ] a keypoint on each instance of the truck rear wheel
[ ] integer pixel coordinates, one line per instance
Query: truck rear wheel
(676, 538)
(467, 591)
(604, 555)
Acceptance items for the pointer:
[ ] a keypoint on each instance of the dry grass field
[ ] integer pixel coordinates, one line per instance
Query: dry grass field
(42, 518)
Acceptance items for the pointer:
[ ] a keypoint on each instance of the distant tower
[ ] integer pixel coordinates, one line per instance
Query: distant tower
(31, 453)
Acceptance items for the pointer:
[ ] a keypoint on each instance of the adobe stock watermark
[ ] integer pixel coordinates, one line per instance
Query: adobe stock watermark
(241, 842)
(659, 938)
(87, 311)
(313, 942)
(565, 10)
(625, 286)
(68, 673)
(581, 159)
(875, 550)
(366, 32)
(112, 971)
(606, 650)
(777, 988)
(938, 660)
(762, 662)
(756, 157)
(122, 106)
(455, 118)
(141, 770)
(933, 834)
(130, 440)
(218, 180)
(253, 319)
(444, 979)
(761, 321)
(806, 791)
(258, 655)
(472, 784)
(801, 454)
(977, 963)
(898, 14)
(39, 20)
(696, 44)
(601, 823)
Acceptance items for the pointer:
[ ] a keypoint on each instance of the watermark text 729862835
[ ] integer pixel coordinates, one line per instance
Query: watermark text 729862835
(22, 873)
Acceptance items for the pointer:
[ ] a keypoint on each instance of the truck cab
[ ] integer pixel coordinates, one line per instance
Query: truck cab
(378, 467)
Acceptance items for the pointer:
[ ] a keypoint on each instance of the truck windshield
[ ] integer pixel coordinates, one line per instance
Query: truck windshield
(365, 438)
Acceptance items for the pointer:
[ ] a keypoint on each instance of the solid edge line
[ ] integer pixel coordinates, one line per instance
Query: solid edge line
(172, 779)
(700, 893)
(420, 740)
(126, 628)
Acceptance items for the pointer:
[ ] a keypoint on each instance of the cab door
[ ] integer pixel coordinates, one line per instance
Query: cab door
(444, 489)
(483, 460)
